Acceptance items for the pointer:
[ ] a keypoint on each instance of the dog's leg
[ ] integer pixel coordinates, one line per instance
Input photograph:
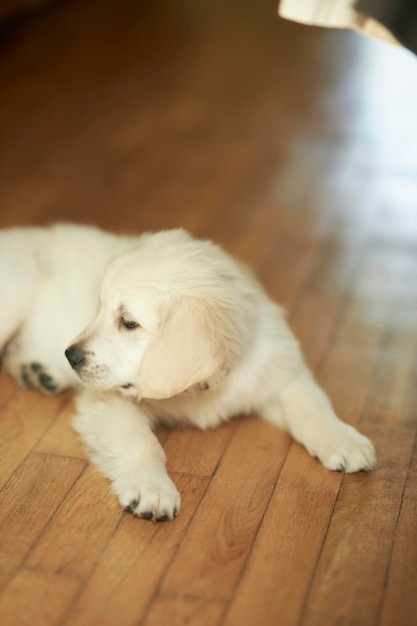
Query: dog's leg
(305, 411)
(121, 443)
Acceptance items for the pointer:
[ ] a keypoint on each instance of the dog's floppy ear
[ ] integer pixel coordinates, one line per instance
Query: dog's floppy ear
(186, 350)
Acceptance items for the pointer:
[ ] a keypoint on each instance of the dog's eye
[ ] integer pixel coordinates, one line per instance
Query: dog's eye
(129, 324)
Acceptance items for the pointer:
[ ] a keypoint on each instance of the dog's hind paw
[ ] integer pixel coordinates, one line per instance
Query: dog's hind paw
(346, 450)
(33, 375)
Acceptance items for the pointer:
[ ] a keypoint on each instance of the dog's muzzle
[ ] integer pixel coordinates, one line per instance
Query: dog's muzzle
(75, 357)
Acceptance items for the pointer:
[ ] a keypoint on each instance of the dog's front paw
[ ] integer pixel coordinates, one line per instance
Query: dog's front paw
(152, 496)
(345, 450)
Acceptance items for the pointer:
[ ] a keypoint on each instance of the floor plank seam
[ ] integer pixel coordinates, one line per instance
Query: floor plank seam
(38, 569)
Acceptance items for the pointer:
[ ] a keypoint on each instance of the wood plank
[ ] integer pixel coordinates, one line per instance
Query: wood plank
(178, 610)
(133, 563)
(342, 364)
(398, 605)
(60, 438)
(364, 323)
(324, 317)
(275, 579)
(78, 531)
(301, 259)
(390, 273)
(392, 397)
(229, 514)
(7, 389)
(37, 598)
(338, 268)
(314, 338)
(27, 503)
(25, 418)
(349, 581)
(195, 451)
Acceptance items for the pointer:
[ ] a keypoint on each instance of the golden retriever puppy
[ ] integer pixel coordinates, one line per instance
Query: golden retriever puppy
(172, 329)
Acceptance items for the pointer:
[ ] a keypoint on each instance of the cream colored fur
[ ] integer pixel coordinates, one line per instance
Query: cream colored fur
(208, 344)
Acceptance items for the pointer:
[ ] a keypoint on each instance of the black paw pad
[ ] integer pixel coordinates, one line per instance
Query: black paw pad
(131, 507)
(47, 382)
(147, 515)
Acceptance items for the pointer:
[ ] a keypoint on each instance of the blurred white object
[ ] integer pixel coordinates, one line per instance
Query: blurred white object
(334, 14)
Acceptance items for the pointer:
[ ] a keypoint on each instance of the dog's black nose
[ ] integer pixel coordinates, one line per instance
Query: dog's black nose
(75, 356)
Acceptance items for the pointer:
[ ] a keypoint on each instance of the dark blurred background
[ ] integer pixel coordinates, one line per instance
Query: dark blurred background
(277, 139)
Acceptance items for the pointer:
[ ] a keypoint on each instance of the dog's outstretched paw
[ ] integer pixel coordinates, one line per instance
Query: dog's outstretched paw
(152, 498)
(346, 450)
(34, 375)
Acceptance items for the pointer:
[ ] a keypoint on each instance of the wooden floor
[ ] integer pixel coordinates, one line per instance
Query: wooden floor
(296, 148)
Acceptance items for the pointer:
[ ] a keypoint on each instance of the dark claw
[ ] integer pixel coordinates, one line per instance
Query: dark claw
(131, 507)
(175, 512)
(47, 382)
(163, 518)
(147, 515)
(35, 367)
(26, 376)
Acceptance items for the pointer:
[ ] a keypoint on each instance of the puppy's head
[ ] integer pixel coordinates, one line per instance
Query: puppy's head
(171, 316)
